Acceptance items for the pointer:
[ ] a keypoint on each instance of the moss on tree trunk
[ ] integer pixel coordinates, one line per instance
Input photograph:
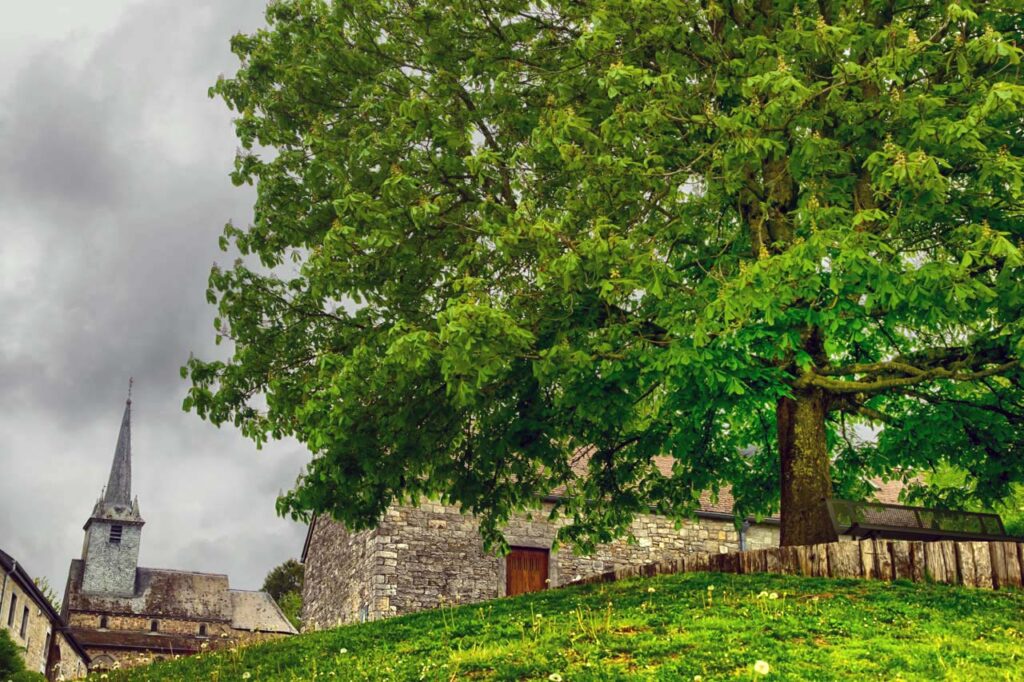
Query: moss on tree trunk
(803, 455)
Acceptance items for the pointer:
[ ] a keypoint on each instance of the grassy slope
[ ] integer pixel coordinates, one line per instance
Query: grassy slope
(664, 628)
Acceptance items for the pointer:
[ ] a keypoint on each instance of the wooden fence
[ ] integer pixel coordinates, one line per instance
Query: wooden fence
(992, 565)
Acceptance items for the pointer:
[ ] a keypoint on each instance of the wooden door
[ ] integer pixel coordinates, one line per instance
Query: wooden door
(526, 570)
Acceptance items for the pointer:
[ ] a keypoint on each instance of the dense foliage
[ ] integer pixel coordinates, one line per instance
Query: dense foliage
(669, 628)
(10, 655)
(492, 233)
(284, 584)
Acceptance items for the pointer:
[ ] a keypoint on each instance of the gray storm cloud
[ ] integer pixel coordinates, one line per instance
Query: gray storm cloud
(113, 191)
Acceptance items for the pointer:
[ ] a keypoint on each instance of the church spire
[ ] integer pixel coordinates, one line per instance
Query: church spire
(119, 487)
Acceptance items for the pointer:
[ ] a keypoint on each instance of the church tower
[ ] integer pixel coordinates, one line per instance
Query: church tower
(113, 532)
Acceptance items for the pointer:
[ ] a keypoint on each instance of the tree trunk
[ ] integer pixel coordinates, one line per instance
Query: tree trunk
(806, 480)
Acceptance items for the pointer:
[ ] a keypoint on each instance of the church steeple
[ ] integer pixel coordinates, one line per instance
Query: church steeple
(113, 532)
(119, 487)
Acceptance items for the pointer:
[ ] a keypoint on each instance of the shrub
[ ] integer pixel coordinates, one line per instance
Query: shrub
(11, 662)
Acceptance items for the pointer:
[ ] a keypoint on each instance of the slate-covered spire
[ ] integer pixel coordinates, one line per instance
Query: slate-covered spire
(119, 487)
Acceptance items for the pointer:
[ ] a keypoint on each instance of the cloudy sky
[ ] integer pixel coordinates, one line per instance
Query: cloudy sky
(113, 190)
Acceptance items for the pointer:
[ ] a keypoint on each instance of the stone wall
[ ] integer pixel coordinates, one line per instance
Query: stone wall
(174, 626)
(421, 557)
(70, 666)
(110, 567)
(339, 574)
(39, 628)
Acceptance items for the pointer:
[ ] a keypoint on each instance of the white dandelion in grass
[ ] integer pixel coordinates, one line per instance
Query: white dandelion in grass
(762, 668)
(555, 677)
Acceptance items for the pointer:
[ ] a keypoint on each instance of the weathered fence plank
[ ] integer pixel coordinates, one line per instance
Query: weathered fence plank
(1013, 567)
(965, 564)
(917, 561)
(982, 564)
(868, 566)
(901, 560)
(992, 564)
(844, 559)
(883, 560)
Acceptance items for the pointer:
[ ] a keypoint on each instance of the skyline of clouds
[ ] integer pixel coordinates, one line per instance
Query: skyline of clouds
(113, 190)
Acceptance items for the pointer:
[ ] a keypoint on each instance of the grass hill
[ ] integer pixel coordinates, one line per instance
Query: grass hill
(698, 626)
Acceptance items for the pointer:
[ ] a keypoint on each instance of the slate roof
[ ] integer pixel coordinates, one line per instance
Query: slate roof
(258, 611)
(162, 593)
(158, 593)
(119, 485)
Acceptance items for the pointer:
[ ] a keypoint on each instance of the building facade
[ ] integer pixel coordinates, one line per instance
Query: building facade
(33, 623)
(125, 615)
(423, 556)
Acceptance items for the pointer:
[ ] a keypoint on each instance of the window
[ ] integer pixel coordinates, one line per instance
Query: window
(10, 614)
(154, 625)
(24, 623)
(115, 535)
(46, 646)
(202, 630)
(103, 622)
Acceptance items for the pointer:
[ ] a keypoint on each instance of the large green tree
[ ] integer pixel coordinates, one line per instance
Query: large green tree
(490, 233)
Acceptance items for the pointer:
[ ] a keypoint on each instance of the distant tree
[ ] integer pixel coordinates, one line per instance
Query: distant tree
(283, 579)
(284, 584)
(44, 586)
(494, 232)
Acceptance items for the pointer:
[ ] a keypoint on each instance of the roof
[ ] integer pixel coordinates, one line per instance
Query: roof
(159, 592)
(16, 571)
(119, 485)
(257, 611)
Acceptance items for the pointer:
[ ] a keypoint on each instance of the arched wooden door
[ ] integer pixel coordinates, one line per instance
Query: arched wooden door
(526, 570)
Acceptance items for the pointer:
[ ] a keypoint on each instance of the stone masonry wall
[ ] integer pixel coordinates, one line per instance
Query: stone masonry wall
(71, 666)
(38, 628)
(421, 557)
(339, 575)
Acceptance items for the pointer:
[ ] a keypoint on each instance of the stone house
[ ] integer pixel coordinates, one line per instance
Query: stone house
(124, 615)
(419, 557)
(33, 623)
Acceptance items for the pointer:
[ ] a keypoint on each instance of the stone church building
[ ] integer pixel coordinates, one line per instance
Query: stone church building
(420, 557)
(123, 614)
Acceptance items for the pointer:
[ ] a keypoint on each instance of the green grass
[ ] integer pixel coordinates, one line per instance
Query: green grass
(666, 628)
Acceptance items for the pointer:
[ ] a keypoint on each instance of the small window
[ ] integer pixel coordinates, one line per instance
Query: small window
(10, 614)
(24, 623)
(115, 535)
(104, 622)
(202, 630)
(154, 626)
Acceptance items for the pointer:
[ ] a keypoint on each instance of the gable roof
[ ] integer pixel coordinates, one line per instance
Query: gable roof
(257, 611)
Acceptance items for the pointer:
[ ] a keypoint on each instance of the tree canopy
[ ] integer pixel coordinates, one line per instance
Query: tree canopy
(284, 584)
(491, 233)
